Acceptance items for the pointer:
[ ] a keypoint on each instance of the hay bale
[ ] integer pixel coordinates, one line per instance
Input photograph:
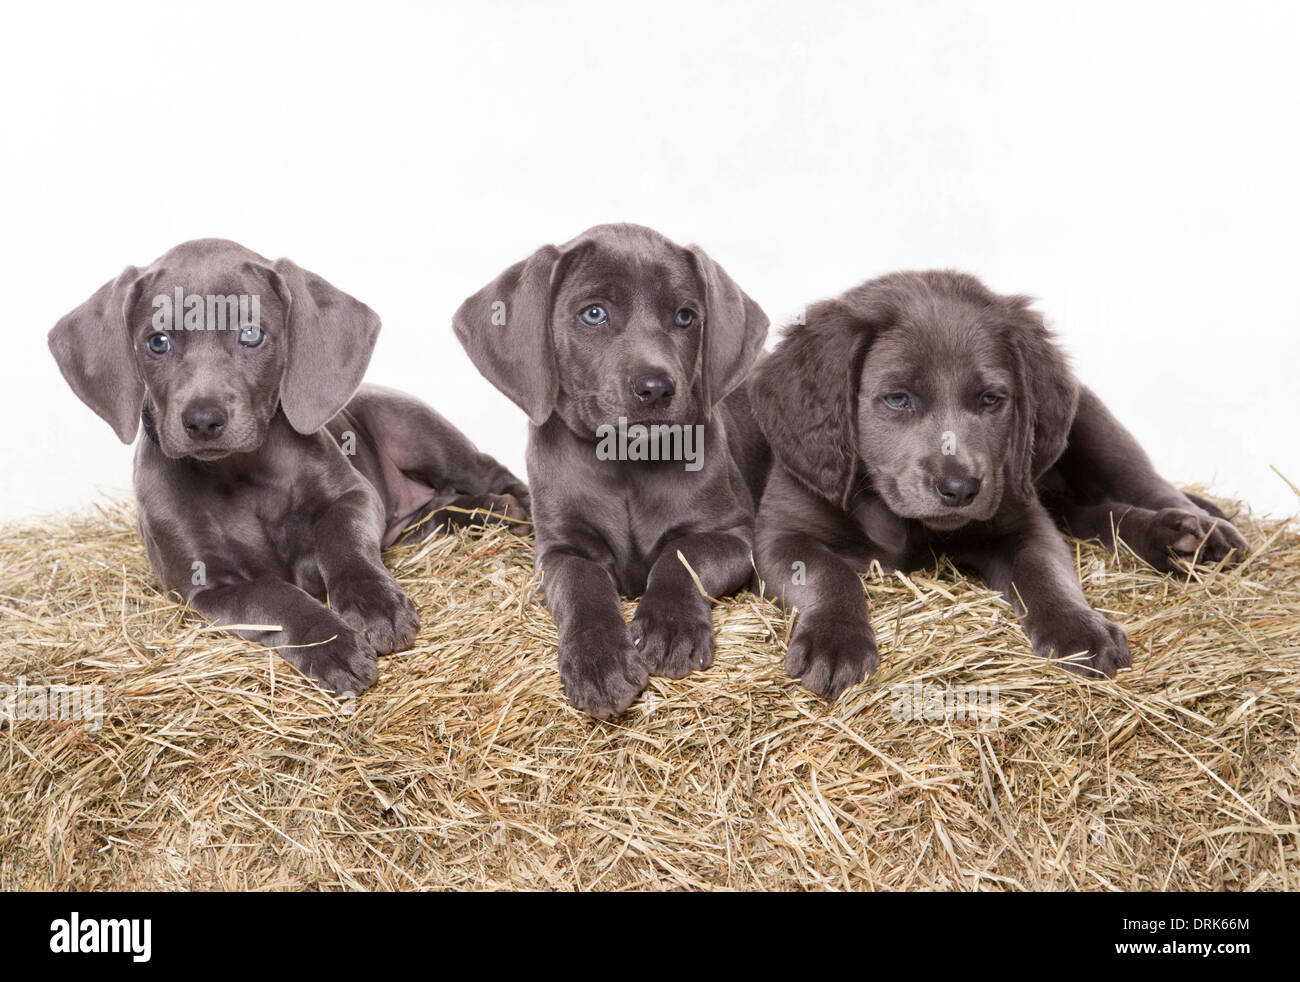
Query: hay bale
(217, 766)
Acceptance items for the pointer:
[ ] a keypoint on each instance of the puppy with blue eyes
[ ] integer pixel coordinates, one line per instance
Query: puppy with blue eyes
(921, 414)
(627, 352)
(267, 481)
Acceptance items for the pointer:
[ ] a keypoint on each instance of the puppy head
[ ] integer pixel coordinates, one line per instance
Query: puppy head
(619, 322)
(942, 395)
(210, 339)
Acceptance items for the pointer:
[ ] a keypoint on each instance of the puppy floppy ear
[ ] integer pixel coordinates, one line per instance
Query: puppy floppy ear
(331, 336)
(92, 345)
(505, 329)
(1047, 396)
(805, 394)
(734, 330)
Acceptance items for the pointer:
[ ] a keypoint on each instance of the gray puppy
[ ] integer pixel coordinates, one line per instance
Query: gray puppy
(922, 414)
(627, 352)
(266, 480)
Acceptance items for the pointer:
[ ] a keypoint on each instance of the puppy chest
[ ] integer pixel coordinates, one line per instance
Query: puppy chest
(256, 530)
(639, 522)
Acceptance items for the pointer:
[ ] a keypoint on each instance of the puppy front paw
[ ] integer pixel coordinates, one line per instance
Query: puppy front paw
(674, 637)
(601, 670)
(1084, 642)
(1191, 535)
(379, 610)
(344, 663)
(831, 655)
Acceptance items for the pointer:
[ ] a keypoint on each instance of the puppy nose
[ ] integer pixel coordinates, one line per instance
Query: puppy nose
(203, 420)
(957, 491)
(654, 389)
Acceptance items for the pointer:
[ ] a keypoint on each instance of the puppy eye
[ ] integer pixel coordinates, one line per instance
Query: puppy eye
(684, 318)
(897, 400)
(252, 336)
(159, 344)
(593, 316)
(991, 399)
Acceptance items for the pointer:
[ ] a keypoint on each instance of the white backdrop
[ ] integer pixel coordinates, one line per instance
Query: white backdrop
(1133, 165)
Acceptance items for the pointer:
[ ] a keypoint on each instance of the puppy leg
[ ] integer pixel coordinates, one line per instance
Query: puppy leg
(311, 637)
(485, 494)
(459, 511)
(1032, 568)
(601, 669)
(1105, 479)
(429, 449)
(1161, 538)
(673, 626)
(833, 646)
(361, 589)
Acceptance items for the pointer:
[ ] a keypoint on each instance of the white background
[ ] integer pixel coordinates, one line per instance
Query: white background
(1135, 166)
